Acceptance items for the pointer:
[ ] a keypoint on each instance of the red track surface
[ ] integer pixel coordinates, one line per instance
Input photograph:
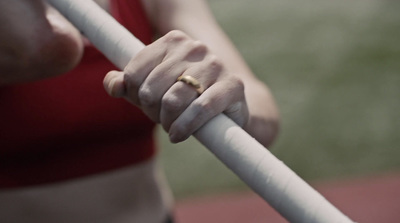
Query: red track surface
(366, 200)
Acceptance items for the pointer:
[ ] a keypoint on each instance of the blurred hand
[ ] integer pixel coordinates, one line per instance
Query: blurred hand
(36, 41)
(149, 81)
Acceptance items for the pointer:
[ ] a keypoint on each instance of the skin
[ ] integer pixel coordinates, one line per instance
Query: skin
(49, 45)
(203, 51)
(46, 46)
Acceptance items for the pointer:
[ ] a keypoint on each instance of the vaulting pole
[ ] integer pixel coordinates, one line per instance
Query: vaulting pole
(285, 191)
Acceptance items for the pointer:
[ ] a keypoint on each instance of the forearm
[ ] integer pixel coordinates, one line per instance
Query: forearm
(264, 118)
(36, 42)
(263, 121)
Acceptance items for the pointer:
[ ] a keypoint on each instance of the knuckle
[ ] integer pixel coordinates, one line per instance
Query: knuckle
(176, 36)
(171, 104)
(204, 107)
(146, 98)
(130, 81)
(238, 83)
(236, 88)
(215, 63)
(196, 50)
(198, 47)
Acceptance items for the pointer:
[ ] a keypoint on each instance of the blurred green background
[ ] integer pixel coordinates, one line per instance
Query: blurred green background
(334, 69)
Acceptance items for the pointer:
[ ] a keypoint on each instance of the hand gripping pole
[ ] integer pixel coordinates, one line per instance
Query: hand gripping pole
(285, 191)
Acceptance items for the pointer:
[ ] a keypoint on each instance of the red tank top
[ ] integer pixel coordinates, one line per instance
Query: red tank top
(68, 127)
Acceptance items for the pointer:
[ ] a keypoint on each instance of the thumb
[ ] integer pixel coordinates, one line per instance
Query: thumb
(114, 84)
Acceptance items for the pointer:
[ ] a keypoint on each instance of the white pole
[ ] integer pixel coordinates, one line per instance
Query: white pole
(248, 159)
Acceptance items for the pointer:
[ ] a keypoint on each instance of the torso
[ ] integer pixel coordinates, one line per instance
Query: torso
(67, 127)
(134, 194)
(129, 194)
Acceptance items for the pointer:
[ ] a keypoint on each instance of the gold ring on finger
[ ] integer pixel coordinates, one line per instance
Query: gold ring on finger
(192, 82)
